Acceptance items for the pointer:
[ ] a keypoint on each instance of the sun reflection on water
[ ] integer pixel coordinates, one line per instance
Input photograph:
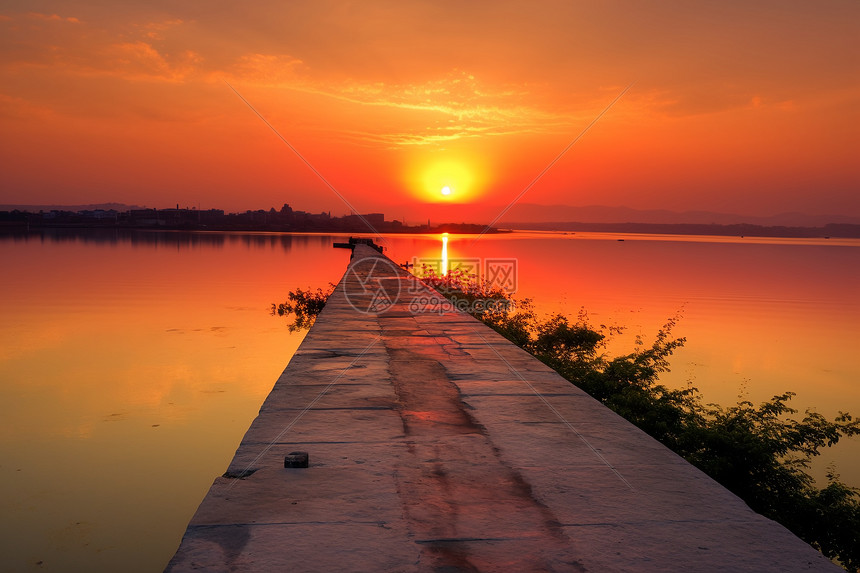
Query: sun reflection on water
(444, 269)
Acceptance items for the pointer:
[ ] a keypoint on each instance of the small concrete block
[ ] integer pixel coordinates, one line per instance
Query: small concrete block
(296, 460)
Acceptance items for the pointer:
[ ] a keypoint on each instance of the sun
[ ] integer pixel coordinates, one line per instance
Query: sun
(460, 178)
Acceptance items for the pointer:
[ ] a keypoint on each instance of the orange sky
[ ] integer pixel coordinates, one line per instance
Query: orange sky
(737, 106)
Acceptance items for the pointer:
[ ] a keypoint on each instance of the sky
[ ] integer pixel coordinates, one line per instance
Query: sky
(732, 106)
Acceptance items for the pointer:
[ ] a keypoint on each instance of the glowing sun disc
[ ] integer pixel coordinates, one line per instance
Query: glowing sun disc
(446, 190)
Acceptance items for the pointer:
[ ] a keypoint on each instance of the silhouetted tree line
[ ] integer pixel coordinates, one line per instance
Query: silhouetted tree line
(184, 219)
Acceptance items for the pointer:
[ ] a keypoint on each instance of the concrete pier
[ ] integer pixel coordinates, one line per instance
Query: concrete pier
(435, 444)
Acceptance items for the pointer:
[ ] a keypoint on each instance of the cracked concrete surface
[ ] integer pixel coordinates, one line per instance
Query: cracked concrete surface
(436, 445)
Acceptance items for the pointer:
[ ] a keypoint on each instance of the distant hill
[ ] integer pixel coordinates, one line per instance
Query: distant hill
(842, 230)
(526, 213)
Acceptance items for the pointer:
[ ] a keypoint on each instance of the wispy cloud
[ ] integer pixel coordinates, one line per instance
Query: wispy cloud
(51, 17)
(155, 30)
(265, 69)
(87, 50)
(142, 61)
(439, 111)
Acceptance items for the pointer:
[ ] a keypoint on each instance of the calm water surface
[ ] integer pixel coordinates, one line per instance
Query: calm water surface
(129, 370)
(131, 366)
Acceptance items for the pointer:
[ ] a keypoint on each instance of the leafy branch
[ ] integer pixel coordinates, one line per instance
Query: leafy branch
(303, 306)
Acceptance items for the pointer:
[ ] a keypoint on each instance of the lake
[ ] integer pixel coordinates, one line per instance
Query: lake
(132, 364)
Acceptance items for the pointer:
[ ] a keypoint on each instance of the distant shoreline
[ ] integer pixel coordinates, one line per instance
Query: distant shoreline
(288, 221)
(452, 228)
(215, 220)
(727, 231)
(836, 230)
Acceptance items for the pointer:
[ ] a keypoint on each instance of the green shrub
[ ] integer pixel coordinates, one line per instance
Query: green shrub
(303, 306)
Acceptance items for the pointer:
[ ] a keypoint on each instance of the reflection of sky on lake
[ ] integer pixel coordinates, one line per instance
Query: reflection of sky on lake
(131, 367)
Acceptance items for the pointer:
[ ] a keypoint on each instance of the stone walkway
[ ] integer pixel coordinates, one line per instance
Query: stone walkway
(437, 445)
